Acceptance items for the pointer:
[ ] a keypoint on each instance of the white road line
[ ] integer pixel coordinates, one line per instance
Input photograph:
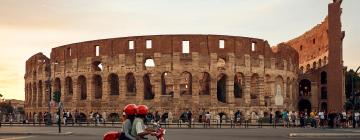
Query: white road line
(16, 138)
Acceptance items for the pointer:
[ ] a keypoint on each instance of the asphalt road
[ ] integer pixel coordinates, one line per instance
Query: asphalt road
(182, 134)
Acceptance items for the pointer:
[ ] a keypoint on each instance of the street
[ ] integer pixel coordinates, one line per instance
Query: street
(85, 133)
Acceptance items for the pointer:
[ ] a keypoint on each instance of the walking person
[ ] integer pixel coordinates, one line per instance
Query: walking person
(189, 117)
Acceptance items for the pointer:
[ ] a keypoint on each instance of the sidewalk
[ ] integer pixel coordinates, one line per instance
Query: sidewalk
(329, 133)
(32, 131)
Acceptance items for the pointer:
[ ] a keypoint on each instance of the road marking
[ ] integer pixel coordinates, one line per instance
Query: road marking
(16, 138)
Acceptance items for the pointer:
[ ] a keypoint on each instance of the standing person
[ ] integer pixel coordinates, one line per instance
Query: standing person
(207, 118)
(139, 130)
(157, 116)
(271, 116)
(285, 118)
(130, 111)
(293, 118)
(321, 115)
(97, 117)
(356, 118)
(189, 115)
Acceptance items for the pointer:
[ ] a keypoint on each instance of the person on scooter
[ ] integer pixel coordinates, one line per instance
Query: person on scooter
(139, 129)
(130, 111)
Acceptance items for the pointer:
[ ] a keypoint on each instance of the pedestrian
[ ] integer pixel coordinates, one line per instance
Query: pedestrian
(321, 115)
(293, 118)
(189, 115)
(207, 118)
(356, 118)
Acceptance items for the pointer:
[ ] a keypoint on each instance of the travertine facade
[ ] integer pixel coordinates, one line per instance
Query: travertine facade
(216, 73)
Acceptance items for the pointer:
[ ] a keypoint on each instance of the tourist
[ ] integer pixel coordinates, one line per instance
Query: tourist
(321, 115)
(189, 118)
(207, 118)
(356, 118)
(293, 118)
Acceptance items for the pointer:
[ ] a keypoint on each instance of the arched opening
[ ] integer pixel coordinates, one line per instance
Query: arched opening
(279, 91)
(221, 88)
(305, 87)
(113, 81)
(323, 93)
(68, 86)
(114, 117)
(97, 66)
(238, 85)
(302, 69)
(323, 77)
(222, 116)
(82, 87)
(130, 83)
(324, 106)
(148, 91)
(149, 63)
(167, 86)
(304, 105)
(221, 63)
(314, 65)
(254, 90)
(307, 67)
(325, 60)
(97, 84)
(57, 84)
(34, 94)
(205, 83)
(40, 92)
(82, 117)
(186, 83)
(320, 64)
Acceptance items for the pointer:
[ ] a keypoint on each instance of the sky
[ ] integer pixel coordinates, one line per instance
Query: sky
(31, 26)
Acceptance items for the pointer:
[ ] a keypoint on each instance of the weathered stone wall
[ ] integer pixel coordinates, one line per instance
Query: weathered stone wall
(236, 62)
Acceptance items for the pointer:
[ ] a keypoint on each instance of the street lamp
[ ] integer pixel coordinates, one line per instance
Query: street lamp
(353, 95)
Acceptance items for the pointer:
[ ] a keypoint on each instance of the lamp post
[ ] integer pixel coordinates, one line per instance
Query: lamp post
(353, 95)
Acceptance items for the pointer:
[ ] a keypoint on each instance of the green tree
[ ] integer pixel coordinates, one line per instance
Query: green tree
(348, 83)
(6, 107)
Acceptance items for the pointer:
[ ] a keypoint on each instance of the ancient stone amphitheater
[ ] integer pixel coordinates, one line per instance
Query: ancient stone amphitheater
(175, 73)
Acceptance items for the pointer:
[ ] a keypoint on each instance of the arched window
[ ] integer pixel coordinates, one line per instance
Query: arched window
(186, 83)
(148, 88)
(57, 84)
(97, 84)
(305, 87)
(279, 91)
(82, 88)
(149, 63)
(221, 88)
(68, 86)
(254, 87)
(167, 86)
(314, 65)
(130, 83)
(205, 83)
(113, 84)
(238, 85)
(323, 77)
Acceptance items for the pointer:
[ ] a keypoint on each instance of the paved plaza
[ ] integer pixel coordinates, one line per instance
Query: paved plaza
(93, 133)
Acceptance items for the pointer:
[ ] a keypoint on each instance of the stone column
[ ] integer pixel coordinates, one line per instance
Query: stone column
(139, 87)
(156, 81)
(247, 97)
(261, 91)
(122, 87)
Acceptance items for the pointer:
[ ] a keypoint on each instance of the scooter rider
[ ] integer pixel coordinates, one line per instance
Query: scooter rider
(139, 129)
(130, 111)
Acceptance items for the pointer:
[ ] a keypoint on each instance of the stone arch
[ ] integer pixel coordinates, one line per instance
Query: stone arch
(57, 84)
(323, 77)
(302, 69)
(97, 84)
(304, 87)
(68, 86)
(148, 88)
(239, 83)
(314, 65)
(186, 83)
(149, 63)
(304, 105)
(130, 83)
(307, 67)
(97, 66)
(320, 64)
(82, 87)
(167, 84)
(254, 89)
(40, 93)
(221, 88)
(279, 90)
(205, 81)
(34, 93)
(325, 60)
(323, 93)
(113, 81)
(82, 117)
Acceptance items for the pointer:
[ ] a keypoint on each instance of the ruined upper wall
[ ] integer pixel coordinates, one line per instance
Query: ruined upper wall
(204, 45)
(36, 65)
(312, 46)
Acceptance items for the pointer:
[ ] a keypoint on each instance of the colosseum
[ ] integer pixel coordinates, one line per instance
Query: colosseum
(174, 73)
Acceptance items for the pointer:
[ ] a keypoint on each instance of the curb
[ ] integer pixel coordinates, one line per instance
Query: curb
(324, 134)
(37, 133)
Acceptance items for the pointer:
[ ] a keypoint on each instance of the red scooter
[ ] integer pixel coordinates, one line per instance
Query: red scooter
(115, 135)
